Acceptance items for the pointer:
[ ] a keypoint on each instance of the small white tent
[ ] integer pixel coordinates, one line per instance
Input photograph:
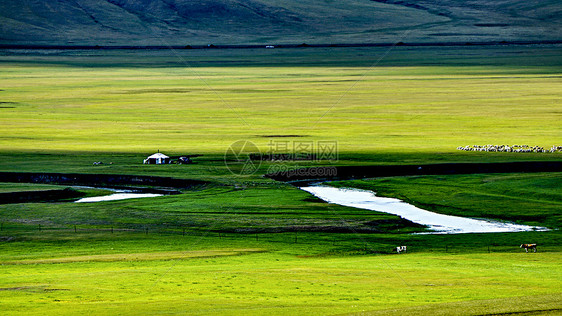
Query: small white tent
(157, 159)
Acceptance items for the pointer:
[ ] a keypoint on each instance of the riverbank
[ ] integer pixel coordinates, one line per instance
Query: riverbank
(144, 184)
(67, 194)
(344, 269)
(305, 176)
(438, 223)
(532, 199)
(124, 187)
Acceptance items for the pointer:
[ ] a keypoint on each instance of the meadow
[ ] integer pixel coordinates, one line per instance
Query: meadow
(200, 101)
(245, 244)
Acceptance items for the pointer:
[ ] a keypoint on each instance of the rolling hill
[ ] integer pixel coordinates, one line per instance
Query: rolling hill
(183, 22)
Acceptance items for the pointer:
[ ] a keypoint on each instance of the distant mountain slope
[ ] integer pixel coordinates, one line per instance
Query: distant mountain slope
(181, 22)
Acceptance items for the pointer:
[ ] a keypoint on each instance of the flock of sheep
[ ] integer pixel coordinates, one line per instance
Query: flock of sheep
(511, 149)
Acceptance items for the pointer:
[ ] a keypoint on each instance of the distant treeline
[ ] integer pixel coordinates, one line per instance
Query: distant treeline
(302, 45)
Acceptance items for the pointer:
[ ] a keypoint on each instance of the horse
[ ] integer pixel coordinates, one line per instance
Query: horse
(529, 246)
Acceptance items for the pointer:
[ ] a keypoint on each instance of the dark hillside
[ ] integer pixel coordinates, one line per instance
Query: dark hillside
(183, 22)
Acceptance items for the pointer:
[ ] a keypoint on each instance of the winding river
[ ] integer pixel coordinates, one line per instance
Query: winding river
(440, 223)
(363, 199)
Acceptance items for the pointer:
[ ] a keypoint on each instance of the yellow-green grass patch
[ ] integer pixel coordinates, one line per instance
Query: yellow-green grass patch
(168, 255)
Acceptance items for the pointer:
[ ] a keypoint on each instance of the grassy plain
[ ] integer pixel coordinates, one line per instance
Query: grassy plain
(281, 283)
(421, 100)
(249, 245)
(54, 272)
(18, 187)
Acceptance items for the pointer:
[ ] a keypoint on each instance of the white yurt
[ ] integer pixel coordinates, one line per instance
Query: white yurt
(157, 159)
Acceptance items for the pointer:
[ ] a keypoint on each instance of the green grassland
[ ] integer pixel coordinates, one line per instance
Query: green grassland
(18, 187)
(181, 254)
(245, 244)
(265, 283)
(431, 108)
(130, 273)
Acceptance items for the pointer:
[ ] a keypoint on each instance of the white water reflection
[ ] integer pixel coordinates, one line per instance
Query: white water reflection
(443, 224)
(118, 195)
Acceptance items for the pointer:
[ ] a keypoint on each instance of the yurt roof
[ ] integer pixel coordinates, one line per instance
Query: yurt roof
(157, 155)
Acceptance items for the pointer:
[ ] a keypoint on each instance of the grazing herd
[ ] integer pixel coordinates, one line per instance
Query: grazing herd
(511, 148)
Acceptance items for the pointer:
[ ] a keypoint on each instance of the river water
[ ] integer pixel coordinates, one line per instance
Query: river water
(440, 223)
(363, 199)
(118, 195)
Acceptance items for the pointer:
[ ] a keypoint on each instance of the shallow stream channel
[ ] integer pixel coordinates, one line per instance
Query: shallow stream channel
(118, 194)
(439, 223)
(364, 199)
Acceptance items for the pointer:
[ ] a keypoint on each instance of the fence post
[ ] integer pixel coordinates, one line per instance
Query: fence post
(112, 229)
(146, 231)
(74, 228)
(39, 227)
